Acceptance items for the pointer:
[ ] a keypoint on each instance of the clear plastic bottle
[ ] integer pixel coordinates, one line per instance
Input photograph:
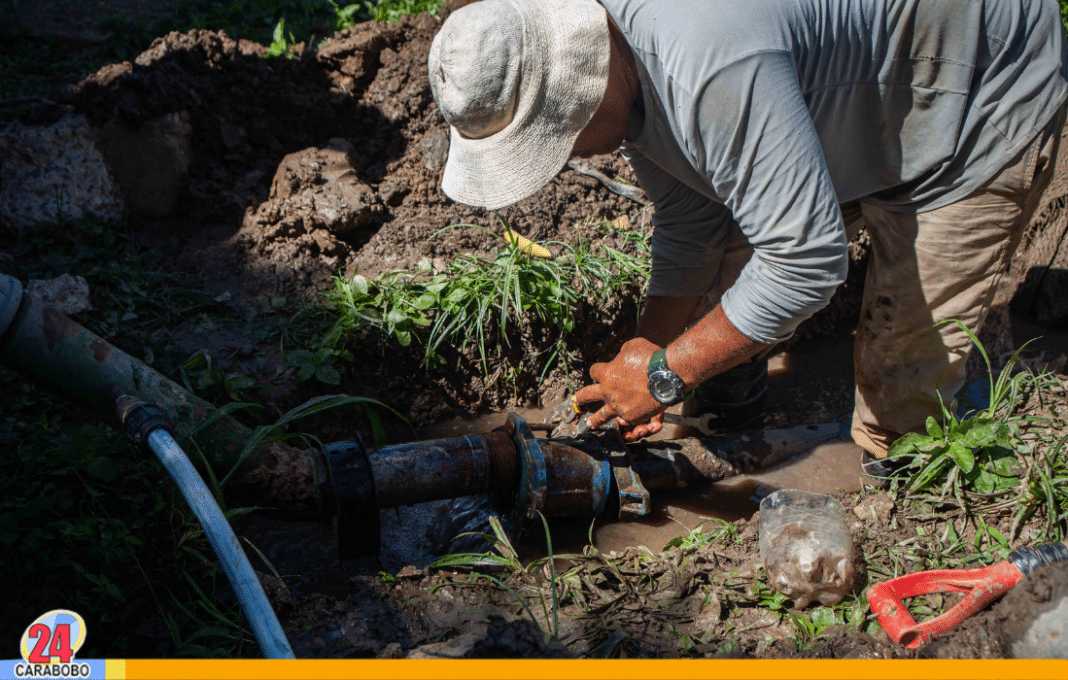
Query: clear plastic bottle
(805, 546)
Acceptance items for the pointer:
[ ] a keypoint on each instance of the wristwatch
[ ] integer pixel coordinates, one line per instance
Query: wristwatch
(665, 384)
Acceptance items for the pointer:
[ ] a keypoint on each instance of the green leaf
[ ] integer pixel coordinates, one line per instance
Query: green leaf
(103, 468)
(929, 473)
(1005, 465)
(425, 302)
(328, 374)
(306, 371)
(235, 513)
(996, 535)
(299, 357)
(907, 444)
(823, 618)
(933, 428)
(975, 433)
(986, 482)
(962, 456)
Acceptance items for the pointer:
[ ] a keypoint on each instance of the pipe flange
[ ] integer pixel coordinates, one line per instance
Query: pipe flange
(533, 479)
(634, 500)
(10, 299)
(358, 528)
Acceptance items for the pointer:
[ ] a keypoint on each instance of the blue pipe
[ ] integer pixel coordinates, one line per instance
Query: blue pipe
(258, 611)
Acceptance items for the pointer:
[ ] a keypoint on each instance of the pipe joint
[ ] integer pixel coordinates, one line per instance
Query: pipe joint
(353, 487)
(139, 419)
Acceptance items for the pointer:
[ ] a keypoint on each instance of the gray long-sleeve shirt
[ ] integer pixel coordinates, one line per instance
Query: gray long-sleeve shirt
(772, 112)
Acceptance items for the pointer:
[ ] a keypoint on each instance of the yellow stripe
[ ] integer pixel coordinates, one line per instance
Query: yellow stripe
(527, 246)
(869, 669)
(115, 669)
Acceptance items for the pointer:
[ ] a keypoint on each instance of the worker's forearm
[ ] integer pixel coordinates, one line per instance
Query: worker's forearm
(665, 318)
(712, 346)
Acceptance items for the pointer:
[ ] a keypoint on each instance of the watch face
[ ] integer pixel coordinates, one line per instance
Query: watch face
(663, 389)
(665, 386)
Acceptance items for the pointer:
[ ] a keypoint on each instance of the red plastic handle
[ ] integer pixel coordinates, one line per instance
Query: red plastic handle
(982, 586)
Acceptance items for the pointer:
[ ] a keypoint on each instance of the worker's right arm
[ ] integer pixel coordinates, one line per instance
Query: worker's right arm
(689, 235)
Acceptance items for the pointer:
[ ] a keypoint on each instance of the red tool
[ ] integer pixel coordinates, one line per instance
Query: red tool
(982, 586)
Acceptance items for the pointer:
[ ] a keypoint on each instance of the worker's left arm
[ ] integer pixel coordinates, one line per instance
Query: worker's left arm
(751, 135)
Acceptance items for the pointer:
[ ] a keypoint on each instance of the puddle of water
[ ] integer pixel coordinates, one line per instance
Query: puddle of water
(829, 468)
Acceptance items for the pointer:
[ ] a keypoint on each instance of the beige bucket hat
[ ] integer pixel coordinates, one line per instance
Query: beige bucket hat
(517, 80)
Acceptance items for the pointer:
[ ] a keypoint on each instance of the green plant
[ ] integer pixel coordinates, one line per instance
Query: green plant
(319, 364)
(475, 301)
(972, 453)
(212, 382)
(392, 10)
(523, 577)
(281, 45)
(994, 461)
(697, 538)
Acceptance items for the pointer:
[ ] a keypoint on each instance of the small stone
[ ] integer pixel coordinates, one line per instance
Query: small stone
(68, 294)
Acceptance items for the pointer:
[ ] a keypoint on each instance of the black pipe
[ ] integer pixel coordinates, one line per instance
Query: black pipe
(446, 468)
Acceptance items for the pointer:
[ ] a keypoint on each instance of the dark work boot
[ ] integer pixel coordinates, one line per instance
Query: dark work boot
(737, 397)
(881, 469)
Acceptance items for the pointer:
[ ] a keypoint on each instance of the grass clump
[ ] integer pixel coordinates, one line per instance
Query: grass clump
(474, 302)
(986, 462)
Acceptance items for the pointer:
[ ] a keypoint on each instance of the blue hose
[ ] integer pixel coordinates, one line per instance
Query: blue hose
(258, 611)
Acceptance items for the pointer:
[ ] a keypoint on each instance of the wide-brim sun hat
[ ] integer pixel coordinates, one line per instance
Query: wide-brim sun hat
(517, 80)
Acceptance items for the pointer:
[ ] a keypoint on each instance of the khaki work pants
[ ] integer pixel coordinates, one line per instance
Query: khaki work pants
(926, 268)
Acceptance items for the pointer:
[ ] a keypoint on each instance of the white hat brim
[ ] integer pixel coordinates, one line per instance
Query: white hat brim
(566, 54)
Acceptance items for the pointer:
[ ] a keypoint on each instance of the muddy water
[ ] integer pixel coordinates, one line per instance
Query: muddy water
(829, 468)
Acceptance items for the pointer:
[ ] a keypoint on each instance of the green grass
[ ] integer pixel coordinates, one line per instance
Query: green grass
(481, 303)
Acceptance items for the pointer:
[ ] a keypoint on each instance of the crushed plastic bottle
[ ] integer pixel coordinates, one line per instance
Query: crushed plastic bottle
(805, 546)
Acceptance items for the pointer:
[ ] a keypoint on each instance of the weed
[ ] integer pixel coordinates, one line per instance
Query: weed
(319, 364)
(392, 10)
(507, 559)
(210, 381)
(697, 539)
(282, 44)
(974, 454)
(475, 301)
(991, 462)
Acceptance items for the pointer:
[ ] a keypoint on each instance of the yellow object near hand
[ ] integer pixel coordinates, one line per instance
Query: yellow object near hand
(525, 245)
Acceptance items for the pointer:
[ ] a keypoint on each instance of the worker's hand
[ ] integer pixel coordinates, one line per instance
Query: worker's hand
(623, 385)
